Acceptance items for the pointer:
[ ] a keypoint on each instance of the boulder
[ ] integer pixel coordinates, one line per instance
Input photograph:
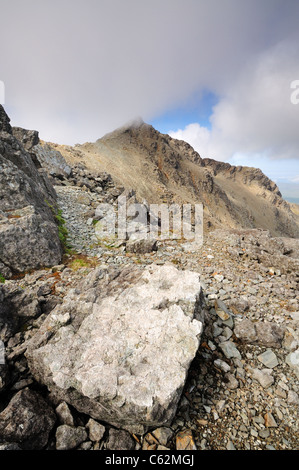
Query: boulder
(27, 420)
(27, 241)
(120, 345)
(52, 161)
(29, 236)
(141, 246)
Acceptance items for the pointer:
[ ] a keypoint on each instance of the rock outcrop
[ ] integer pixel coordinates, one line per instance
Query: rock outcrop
(28, 231)
(120, 346)
(27, 421)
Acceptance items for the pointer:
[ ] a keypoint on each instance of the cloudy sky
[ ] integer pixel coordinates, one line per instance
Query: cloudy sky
(216, 73)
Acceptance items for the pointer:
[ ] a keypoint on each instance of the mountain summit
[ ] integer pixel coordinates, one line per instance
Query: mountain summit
(162, 169)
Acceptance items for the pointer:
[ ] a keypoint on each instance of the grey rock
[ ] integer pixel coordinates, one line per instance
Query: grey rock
(264, 377)
(268, 359)
(28, 138)
(64, 414)
(28, 241)
(230, 350)
(69, 437)
(141, 246)
(28, 231)
(10, 446)
(222, 365)
(27, 420)
(265, 333)
(269, 334)
(52, 161)
(292, 360)
(245, 331)
(96, 430)
(120, 439)
(231, 382)
(293, 398)
(121, 344)
(4, 121)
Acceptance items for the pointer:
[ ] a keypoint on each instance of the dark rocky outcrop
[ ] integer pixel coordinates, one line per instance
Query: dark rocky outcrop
(27, 421)
(28, 231)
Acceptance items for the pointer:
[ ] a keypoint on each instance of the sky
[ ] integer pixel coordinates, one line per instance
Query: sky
(215, 73)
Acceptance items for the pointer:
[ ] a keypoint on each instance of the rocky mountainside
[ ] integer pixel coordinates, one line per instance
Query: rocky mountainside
(138, 344)
(161, 169)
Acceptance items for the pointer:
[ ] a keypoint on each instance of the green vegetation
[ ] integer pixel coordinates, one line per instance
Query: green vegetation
(62, 230)
(82, 262)
(2, 279)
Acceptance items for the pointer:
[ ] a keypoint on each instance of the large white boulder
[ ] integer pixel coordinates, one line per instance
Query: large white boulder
(120, 346)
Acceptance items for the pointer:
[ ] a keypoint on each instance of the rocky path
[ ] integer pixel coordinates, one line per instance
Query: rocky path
(242, 390)
(78, 208)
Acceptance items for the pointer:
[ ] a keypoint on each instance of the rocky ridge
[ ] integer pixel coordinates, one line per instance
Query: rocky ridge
(241, 389)
(165, 170)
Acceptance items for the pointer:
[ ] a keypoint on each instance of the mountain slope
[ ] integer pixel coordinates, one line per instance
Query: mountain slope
(162, 169)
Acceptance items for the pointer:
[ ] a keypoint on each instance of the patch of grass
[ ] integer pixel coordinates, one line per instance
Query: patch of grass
(82, 262)
(2, 279)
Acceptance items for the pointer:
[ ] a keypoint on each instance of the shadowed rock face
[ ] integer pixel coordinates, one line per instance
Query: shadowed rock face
(28, 232)
(27, 420)
(121, 344)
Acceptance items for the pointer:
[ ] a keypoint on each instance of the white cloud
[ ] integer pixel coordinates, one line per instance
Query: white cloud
(254, 117)
(76, 70)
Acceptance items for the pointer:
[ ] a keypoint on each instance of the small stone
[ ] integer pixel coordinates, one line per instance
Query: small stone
(120, 439)
(184, 441)
(264, 433)
(202, 422)
(269, 359)
(64, 414)
(231, 381)
(96, 430)
(220, 405)
(222, 310)
(69, 437)
(270, 421)
(230, 446)
(149, 441)
(292, 360)
(229, 349)
(222, 365)
(293, 398)
(163, 435)
(263, 376)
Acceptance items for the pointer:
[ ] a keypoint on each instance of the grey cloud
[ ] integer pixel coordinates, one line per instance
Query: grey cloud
(77, 69)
